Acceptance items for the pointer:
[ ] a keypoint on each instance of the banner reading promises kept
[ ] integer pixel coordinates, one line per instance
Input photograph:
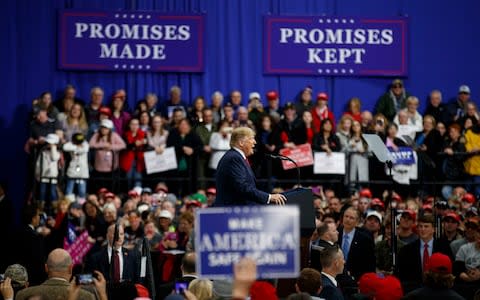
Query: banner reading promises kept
(335, 46)
(268, 234)
(130, 40)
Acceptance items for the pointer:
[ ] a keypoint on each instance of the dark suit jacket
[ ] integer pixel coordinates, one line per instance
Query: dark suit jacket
(315, 250)
(409, 265)
(52, 289)
(30, 252)
(361, 257)
(99, 261)
(329, 290)
(236, 182)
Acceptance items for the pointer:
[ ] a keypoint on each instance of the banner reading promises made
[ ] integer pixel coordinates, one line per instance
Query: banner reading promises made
(335, 46)
(130, 41)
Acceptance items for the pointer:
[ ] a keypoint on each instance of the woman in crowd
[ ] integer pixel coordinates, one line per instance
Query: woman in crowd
(472, 164)
(354, 109)
(107, 145)
(157, 135)
(305, 131)
(75, 122)
(321, 112)
(326, 140)
(144, 120)
(45, 99)
(344, 131)
(453, 158)
(132, 160)
(268, 142)
(186, 222)
(391, 139)
(358, 164)
(219, 143)
(95, 224)
(120, 117)
(428, 144)
(67, 104)
(195, 114)
(187, 147)
(442, 130)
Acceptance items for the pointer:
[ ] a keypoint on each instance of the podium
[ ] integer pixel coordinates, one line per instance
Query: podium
(303, 198)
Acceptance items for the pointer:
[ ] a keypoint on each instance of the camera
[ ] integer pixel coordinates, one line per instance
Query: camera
(2, 277)
(180, 287)
(380, 122)
(84, 279)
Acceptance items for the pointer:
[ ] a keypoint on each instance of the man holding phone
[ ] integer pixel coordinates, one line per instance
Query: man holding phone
(59, 269)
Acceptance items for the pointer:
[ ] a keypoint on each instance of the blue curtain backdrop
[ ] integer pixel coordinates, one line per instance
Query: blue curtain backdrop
(443, 54)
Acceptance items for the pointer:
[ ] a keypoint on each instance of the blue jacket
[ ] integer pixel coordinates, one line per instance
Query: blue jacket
(235, 182)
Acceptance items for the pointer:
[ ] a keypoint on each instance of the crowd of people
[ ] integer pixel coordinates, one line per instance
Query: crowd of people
(89, 175)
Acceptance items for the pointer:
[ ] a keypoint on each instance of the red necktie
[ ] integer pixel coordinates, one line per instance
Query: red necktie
(247, 162)
(426, 257)
(116, 266)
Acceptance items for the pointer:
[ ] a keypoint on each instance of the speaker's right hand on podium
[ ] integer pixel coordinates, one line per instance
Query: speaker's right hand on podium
(278, 199)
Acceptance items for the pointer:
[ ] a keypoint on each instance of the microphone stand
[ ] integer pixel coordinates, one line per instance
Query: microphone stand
(393, 215)
(283, 157)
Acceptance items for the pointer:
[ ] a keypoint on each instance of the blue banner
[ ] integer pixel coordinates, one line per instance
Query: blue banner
(335, 46)
(403, 156)
(130, 41)
(268, 234)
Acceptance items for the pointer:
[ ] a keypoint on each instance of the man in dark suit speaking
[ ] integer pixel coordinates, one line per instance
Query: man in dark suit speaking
(235, 179)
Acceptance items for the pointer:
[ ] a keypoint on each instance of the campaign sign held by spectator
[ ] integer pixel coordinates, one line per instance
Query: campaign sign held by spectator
(335, 46)
(403, 156)
(130, 41)
(268, 234)
(301, 154)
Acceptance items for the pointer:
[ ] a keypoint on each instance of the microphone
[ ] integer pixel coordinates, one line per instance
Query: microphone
(280, 157)
(283, 157)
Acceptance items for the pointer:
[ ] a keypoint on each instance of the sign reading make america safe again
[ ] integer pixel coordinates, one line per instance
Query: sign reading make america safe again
(130, 41)
(268, 234)
(335, 46)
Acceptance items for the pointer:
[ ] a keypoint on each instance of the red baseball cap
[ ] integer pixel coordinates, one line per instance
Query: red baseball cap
(133, 193)
(322, 96)
(410, 213)
(427, 207)
(272, 95)
(377, 202)
(105, 110)
(365, 193)
(439, 263)
(453, 216)
(109, 195)
(468, 197)
(212, 190)
(102, 191)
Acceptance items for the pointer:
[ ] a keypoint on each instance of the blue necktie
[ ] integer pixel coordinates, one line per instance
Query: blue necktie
(345, 246)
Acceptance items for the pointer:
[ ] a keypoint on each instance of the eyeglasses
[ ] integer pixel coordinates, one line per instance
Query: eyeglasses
(396, 86)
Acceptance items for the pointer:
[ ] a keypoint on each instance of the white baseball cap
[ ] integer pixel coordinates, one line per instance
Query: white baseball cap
(107, 123)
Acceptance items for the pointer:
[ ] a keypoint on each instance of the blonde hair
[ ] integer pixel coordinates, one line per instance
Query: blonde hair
(412, 99)
(240, 134)
(82, 119)
(201, 288)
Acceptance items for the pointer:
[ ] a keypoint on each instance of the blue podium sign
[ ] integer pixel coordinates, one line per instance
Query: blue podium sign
(268, 234)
